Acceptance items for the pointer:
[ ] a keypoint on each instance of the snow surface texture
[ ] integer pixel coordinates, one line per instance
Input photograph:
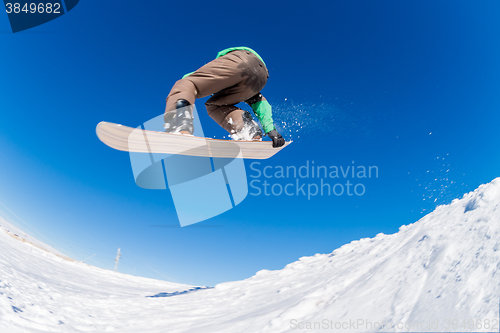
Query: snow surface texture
(441, 273)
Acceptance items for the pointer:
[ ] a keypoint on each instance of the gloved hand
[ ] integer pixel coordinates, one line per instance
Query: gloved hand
(278, 140)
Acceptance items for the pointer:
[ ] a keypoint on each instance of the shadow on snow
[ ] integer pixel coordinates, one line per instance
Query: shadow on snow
(175, 293)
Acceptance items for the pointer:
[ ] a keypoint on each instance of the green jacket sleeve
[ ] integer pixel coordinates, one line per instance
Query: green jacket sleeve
(263, 111)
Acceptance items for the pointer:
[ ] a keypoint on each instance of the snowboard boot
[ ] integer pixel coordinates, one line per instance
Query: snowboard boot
(181, 119)
(252, 127)
(169, 119)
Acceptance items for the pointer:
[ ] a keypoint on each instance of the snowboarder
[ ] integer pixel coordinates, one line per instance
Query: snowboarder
(236, 75)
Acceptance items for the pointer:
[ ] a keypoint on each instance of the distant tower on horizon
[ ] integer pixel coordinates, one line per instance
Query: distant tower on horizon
(117, 259)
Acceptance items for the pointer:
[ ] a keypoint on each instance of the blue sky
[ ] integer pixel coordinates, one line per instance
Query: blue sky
(410, 87)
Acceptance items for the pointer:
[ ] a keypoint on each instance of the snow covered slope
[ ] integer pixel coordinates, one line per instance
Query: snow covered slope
(441, 273)
(45, 292)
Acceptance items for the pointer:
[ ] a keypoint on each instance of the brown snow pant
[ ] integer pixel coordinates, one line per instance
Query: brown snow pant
(230, 79)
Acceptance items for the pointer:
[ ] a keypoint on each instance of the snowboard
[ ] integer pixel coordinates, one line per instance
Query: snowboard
(137, 140)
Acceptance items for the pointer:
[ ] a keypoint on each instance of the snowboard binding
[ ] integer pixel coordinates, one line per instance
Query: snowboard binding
(252, 126)
(180, 120)
(249, 131)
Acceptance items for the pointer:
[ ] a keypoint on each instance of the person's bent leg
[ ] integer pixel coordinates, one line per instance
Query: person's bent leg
(231, 79)
(211, 78)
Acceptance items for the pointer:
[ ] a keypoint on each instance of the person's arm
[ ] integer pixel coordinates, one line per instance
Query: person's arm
(263, 111)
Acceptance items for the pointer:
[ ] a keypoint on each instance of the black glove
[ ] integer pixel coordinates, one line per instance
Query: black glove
(278, 140)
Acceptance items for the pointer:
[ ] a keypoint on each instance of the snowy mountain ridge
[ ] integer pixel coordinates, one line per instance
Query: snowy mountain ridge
(441, 273)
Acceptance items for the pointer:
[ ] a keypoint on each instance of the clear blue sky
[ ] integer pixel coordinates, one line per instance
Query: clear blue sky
(411, 87)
